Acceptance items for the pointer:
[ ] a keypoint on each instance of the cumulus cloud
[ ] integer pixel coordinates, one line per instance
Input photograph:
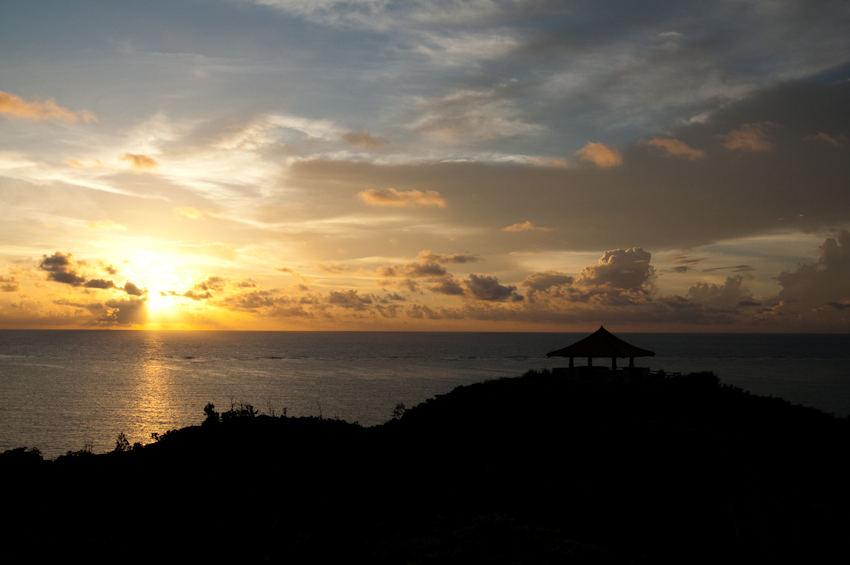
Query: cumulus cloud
(603, 156)
(728, 294)
(364, 140)
(525, 226)
(60, 268)
(448, 286)
(546, 280)
(828, 139)
(675, 148)
(827, 280)
(349, 299)
(140, 163)
(627, 269)
(133, 290)
(486, 287)
(418, 312)
(9, 284)
(36, 109)
(749, 137)
(399, 199)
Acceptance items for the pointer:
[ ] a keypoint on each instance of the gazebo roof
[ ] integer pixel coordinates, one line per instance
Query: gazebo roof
(601, 343)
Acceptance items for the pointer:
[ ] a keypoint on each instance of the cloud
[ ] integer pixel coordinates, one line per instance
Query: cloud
(140, 163)
(332, 269)
(188, 212)
(749, 137)
(486, 287)
(827, 280)
(418, 312)
(392, 197)
(123, 312)
(102, 284)
(729, 294)
(364, 140)
(133, 290)
(349, 299)
(428, 255)
(733, 268)
(825, 137)
(546, 280)
(525, 226)
(96, 164)
(675, 148)
(60, 269)
(105, 225)
(35, 109)
(9, 284)
(603, 156)
(626, 269)
(448, 286)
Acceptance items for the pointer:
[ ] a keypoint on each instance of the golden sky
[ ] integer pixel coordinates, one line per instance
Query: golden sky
(425, 165)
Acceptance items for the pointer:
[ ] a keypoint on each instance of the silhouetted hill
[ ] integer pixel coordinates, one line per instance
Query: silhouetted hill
(534, 469)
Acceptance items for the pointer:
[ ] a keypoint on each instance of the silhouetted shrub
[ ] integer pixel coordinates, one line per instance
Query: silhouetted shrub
(212, 417)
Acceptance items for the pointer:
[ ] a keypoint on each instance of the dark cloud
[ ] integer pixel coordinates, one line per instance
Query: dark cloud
(447, 285)
(485, 287)
(60, 268)
(733, 268)
(102, 284)
(9, 284)
(826, 281)
(349, 299)
(123, 312)
(419, 312)
(133, 290)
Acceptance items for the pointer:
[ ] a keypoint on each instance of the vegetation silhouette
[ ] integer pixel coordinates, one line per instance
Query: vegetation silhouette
(533, 469)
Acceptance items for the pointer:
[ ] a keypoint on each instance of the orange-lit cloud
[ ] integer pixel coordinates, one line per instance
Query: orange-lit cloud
(105, 225)
(364, 140)
(140, 163)
(79, 165)
(394, 198)
(601, 155)
(35, 109)
(749, 137)
(525, 226)
(188, 212)
(675, 148)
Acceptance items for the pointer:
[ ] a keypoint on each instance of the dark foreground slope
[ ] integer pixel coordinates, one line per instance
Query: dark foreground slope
(535, 469)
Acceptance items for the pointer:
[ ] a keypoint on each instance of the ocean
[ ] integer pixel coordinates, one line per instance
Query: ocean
(63, 390)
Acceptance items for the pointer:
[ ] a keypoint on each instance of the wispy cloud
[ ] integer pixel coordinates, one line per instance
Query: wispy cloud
(525, 226)
(401, 199)
(675, 148)
(36, 109)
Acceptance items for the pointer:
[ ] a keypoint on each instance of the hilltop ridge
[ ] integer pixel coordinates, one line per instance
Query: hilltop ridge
(532, 469)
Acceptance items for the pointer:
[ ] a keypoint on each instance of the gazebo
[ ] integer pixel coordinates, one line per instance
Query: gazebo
(602, 343)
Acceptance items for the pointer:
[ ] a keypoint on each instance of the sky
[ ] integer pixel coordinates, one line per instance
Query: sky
(425, 165)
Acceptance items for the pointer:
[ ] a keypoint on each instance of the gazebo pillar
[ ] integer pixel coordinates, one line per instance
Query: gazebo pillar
(613, 363)
(631, 362)
(571, 363)
(590, 361)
